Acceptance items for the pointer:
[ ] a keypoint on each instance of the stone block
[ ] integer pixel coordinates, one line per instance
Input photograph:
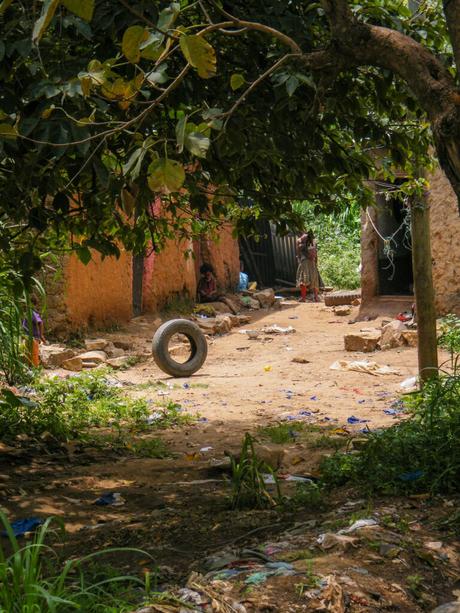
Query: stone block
(53, 356)
(392, 335)
(119, 362)
(342, 311)
(98, 357)
(265, 298)
(96, 344)
(410, 338)
(362, 341)
(75, 364)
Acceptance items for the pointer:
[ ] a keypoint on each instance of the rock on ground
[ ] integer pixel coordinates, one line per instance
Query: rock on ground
(53, 356)
(362, 341)
(75, 364)
(96, 344)
(265, 298)
(392, 335)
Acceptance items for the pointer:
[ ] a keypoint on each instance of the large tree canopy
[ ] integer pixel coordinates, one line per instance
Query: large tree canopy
(221, 110)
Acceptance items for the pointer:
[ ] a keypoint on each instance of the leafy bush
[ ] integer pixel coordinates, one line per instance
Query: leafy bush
(66, 408)
(248, 481)
(338, 237)
(14, 308)
(450, 337)
(417, 455)
(33, 581)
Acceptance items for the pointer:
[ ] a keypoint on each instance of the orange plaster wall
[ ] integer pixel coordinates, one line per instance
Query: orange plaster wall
(99, 293)
(224, 257)
(167, 275)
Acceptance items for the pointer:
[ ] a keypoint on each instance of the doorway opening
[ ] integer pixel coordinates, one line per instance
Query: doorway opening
(395, 272)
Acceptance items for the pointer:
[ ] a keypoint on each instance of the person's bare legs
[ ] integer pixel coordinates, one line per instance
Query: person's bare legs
(303, 293)
(315, 293)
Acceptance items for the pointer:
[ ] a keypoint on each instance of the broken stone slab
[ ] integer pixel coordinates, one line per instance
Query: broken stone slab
(97, 357)
(410, 338)
(122, 344)
(265, 298)
(217, 325)
(119, 362)
(244, 319)
(225, 323)
(362, 341)
(114, 352)
(53, 356)
(450, 607)
(342, 311)
(96, 344)
(75, 364)
(392, 335)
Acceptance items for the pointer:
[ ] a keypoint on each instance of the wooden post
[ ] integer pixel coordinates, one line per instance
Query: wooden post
(424, 291)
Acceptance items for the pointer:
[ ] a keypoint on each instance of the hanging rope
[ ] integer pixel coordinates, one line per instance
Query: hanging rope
(389, 242)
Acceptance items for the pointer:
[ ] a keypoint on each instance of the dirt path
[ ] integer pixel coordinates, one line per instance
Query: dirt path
(177, 508)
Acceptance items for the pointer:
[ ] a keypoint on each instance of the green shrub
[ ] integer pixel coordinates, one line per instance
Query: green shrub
(420, 454)
(34, 581)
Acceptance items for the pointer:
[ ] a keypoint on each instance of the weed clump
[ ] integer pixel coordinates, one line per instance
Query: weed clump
(420, 454)
(248, 476)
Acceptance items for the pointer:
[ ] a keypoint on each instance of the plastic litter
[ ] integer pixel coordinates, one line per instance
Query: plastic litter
(113, 499)
(267, 368)
(205, 449)
(409, 384)
(186, 386)
(361, 401)
(305, 413)
(313, 397)
(413, 476)
(278, 330)
(364, 366)
(202, 419)
(22, 526)
(270, 479)
(357, 525)
(356, 420)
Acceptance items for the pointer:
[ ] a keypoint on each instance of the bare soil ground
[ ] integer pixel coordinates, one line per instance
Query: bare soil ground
(177, 508)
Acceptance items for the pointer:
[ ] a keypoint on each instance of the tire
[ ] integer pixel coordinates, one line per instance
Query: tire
(160, 347)
(341, 298)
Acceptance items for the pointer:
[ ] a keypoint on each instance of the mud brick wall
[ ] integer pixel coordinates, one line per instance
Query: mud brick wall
(445, 243)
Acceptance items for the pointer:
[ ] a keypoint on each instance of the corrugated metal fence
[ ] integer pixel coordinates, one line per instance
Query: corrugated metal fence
(268, 258)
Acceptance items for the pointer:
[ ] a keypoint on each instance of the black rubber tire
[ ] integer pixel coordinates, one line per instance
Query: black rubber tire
(198, 344)
(341, 298)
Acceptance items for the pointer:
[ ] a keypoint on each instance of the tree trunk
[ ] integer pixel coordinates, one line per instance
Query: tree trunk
(424, 291)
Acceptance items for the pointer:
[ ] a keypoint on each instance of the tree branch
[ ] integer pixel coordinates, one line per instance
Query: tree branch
(452, 13)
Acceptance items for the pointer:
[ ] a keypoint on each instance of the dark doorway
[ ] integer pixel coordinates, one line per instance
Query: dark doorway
(394, 253)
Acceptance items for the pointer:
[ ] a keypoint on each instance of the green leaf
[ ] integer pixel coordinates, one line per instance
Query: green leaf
(237, 81)
(180, 132)
(158, 76)
(166, 176)
(8, 131)
(168, 16)
(4, 5)
(133, 165)
(199, 54)
(197, 143)
(133, 37)
(291, 85)
(47, 14)
(84, 254)
(82, 8)
(212, 118)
